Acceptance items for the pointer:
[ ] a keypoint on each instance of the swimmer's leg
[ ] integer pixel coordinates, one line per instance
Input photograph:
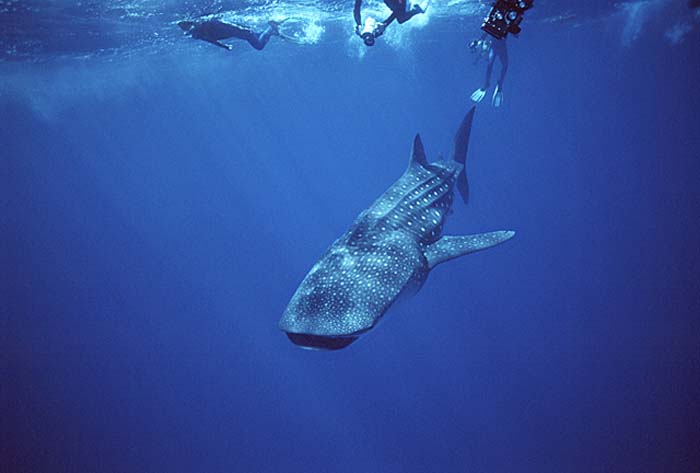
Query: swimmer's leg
(258, 41)
(479, 94)
(403, 14)
(497, 99)
(403, 18)
(503, 57)
(489, 70)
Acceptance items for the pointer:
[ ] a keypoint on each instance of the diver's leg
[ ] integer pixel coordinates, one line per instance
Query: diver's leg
(479, 94)
(503, 57)
(489, 70)
(258, 41)
(404, 16)
(405, 10)
(497, 99)
(413, 12)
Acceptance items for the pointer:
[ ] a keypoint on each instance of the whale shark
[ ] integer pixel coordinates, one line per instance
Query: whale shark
(387, 253)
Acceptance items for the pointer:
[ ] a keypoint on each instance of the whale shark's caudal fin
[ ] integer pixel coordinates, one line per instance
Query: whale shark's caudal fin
(449, 247)
(418, 153)
(460, 154)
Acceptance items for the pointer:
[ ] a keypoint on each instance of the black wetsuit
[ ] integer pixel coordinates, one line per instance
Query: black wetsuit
(399, 11)
(214, 30)
(498, 50)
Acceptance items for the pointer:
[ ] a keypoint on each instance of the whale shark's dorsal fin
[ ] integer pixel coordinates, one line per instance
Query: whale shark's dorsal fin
(418, 153)
(449, 247)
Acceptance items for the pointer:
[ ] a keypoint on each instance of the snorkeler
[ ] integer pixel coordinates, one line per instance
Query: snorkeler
(495, 48)
(212, 31)
(401, 11)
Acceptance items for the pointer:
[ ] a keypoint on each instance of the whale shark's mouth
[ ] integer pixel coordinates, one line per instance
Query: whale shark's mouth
(319, 342)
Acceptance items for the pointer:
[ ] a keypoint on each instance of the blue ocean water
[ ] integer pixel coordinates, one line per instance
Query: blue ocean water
(162, 199)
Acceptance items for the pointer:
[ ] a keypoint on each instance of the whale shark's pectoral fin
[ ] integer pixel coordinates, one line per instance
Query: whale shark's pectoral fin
(449, 247)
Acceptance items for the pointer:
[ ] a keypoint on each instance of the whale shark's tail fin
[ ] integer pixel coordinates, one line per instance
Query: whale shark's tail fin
(449, 247)
(460, 154)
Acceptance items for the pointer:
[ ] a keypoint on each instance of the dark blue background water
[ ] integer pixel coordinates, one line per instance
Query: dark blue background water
(159, 210)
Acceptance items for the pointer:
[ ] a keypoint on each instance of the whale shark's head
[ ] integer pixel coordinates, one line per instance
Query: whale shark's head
(349, 290)
(330, 309)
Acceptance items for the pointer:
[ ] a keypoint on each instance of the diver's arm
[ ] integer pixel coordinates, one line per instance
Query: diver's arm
(217, 43)
(356, 12)
(391, 18)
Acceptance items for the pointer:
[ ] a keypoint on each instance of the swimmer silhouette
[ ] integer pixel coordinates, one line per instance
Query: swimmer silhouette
(213, 31)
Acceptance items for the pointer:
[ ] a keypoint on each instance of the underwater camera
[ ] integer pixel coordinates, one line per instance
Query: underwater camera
(368, 31)
(505, 17)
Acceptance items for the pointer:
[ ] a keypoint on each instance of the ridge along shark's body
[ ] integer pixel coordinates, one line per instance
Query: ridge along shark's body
(387, 253)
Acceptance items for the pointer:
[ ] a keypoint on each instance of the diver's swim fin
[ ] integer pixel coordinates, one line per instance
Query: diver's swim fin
(280, 31)
(497, 99)
(478, 95)
(460, 153)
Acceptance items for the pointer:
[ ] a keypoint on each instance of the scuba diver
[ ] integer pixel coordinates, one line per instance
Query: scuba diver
(494, 48)
(504, 18)
(212, 31)
(401, 11)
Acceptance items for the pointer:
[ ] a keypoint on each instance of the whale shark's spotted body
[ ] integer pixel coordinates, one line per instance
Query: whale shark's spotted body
(387, 253)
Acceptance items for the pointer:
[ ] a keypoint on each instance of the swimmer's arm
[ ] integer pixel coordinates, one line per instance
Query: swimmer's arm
(356, 12)
(391, 18)
(221, 45)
